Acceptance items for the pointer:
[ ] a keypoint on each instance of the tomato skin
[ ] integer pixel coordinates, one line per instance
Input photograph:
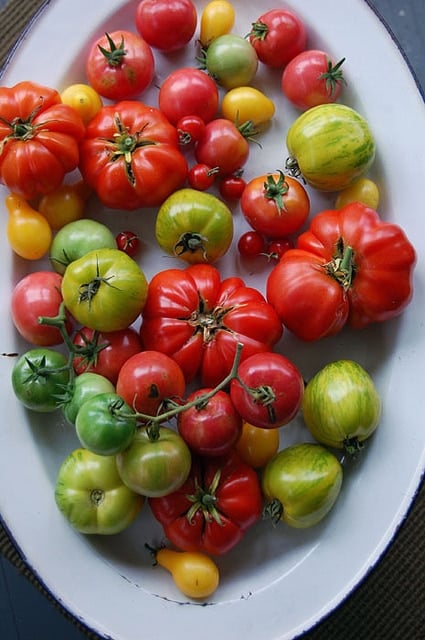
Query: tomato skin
(28, 232)
(341, 405)
(275, 205)
(278, 36)
(166, 25)
(236, 502)
(211, 429)
(155, 468)
(243, 104)
(222, 145)
(128, 242)
(190, 129)
(63, 205)
(362, 190)
(309, 302)
(201, 176)
(198, 319)
(131, 156)
(104, 352)
(104, 290)
(232, 187)
(217, 18)
(82, 388)
(312, 78)
(120, 65)
(195, 574)
(194, 226)
(188, 92)
(148, 379)
(331, 145)
(39, 377)
(231, 60)
(283, 382)
(305, 479)
(37, 294)
(251, 244)
(40, 136)
(84, 99)
(257, 446)
(91, 495)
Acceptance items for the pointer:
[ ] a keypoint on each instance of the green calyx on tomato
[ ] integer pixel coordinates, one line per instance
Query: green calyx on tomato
(333, 76)
(124, 144)
(116, 53)
(275, 189)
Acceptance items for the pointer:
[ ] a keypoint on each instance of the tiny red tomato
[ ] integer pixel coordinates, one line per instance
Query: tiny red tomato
(278, 247)
(232, 187)
(129, 242)
(190, 129)
(201, 177)
(251, 244)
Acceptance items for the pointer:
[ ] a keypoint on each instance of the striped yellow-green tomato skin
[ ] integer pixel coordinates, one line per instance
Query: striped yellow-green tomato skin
(193, 214)
(341, 403)
(332, 145)
(306, 479)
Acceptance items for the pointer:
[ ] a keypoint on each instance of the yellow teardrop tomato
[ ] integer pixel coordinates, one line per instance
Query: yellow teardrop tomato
(217, 19)
(84, 99)
(28, 231)
(194, 573)
(256, 446)
(363, 190)
(243, 104)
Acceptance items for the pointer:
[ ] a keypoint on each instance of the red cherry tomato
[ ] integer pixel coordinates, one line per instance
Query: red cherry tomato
(190, 129)
(129, 242)
(232, 187)
(251, 244)
(166, 25)
(201, 176)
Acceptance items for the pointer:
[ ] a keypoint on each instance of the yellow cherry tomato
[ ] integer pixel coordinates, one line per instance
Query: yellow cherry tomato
(28, 231)
(256, 446)
(84, 99)
(247, 103)
(195, 574)
(63, 205)
(217, 19)
(363, 190)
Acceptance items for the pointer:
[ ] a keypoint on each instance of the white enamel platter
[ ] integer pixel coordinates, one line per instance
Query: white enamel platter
(277, 583)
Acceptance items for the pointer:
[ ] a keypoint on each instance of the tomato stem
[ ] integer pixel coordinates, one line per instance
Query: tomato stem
(273, 510)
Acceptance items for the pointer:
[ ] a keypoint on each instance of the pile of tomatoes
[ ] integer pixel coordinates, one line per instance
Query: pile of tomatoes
(175, 384)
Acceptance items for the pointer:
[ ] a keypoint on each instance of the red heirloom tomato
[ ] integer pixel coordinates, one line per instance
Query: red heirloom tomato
(268, 390)
(188, 92)
(39, 138)
(210, 428)
(312, 78)
(105, 352)
(211, 512)
(278, 36)
(275, 205)
(148, 379)
(37, 294)
(166, 25)
(120, 65)
(131, 156)
(222, 145)
(198, 319)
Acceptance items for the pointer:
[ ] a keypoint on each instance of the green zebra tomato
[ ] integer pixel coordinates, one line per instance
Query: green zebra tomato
(330, 146)
(194, 226)
(341, 405)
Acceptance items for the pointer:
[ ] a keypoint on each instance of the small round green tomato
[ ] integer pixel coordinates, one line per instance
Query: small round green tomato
(341, 405)
(331, 145)
(91, 495)
(105, 424)
(194, 226)
(104, 290)
(76, 239)
(231, 60)
(39, 377)
(155, 467)
(85, 386)
(301, 484)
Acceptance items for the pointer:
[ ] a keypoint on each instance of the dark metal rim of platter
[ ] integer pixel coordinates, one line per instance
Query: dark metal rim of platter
(389, 602)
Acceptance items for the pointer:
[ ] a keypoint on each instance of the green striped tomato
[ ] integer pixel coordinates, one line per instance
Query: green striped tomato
(331, 146)
(341, 405)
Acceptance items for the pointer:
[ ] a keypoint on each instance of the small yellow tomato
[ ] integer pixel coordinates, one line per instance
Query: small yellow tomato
(243, 104)
(63, 205)
(194, 573)
(217, 19)
(84, 99)
(363, 190)
(256, 446)
(28, 232)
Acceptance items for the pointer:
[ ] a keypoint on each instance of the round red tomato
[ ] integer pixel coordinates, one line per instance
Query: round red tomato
(222, 145)
(268, 390)
(120, 65)
(37, 294)
(104, 352)
(278, 36)
(312, 78)
(275, 205)
(148, 379)
(166, 25)
(210, 428)
(188, 92)
(129, 242)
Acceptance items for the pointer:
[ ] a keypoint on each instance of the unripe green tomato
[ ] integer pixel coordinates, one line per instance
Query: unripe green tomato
(341, 405)
(301, 484)
(231, 60)
(331, 145)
